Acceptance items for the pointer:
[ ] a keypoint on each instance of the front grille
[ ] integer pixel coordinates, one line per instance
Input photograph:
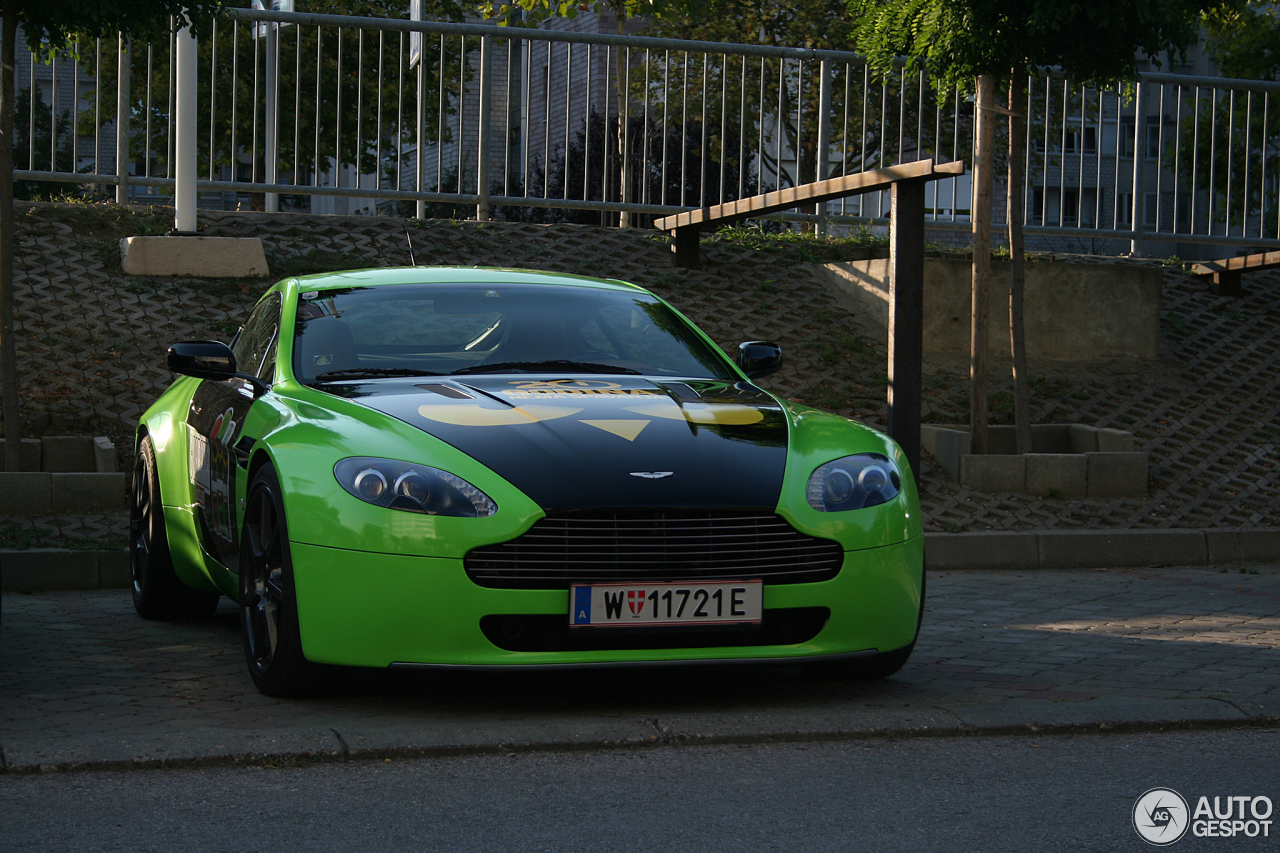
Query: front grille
(786, 626)
(655, 546)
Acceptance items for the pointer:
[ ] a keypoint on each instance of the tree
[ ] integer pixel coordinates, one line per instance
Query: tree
(50, 26)
(534, 12)
(333, 108)
(1244, 41)
(971, 44)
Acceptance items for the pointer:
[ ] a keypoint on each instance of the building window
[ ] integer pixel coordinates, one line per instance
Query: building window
(1126, 137)
(1124, 209)
(1088, 136)
(1153, 141)
(1150, 210)
(1070, 207)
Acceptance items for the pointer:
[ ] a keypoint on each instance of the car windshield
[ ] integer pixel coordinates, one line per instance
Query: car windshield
(441, 329)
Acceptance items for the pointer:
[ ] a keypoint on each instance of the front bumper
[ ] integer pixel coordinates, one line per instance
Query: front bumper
(364, 609)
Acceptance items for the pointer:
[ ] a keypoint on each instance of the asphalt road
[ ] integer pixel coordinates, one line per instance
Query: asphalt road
(1055, 793)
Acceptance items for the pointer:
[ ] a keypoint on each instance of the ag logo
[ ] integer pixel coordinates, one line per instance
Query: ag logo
(1160, 817)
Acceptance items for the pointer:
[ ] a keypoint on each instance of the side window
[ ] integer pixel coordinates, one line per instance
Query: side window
(255, 345)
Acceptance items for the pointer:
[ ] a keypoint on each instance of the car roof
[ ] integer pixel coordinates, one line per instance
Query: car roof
(452, 275)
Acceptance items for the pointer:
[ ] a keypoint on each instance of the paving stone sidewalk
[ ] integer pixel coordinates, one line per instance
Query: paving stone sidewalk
(86, 682)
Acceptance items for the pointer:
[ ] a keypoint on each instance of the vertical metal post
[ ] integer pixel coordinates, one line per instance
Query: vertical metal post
(271, 203)
(1139, 155)
(906, 316)
(122, 122)
(184, 194)
(485, 119)
(824, 135)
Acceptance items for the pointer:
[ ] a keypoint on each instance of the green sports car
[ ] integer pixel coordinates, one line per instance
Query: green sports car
(461, 467)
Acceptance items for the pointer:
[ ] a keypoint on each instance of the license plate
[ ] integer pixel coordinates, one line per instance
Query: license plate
(641, 604)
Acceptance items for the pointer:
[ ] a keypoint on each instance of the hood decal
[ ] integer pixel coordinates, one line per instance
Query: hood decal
(627, 429)
(587, 443)
(481, 416)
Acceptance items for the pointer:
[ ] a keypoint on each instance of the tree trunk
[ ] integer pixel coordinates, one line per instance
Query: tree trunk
(983, 164)
(8, 353)
(1017, 280)
(620, 83)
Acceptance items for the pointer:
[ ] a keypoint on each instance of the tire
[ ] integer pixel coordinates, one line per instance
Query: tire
(268, 604)
(157, 591)
(878, 666)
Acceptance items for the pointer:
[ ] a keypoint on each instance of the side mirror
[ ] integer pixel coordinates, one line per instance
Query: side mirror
(208, 360)
(202, 359)
(759, 358)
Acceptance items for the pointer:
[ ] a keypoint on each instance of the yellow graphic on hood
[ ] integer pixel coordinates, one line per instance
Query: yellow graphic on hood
(722, 414)
(627, 429)
(476, 416)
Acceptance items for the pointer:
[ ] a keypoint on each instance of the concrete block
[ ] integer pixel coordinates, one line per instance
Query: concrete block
(88, 492)
(105, 458)
(30, 456)
(48, 568)
(113, 570)
(1115, 441)
(61, 453)
(1117, 475)
(1082, 439)
(1002, 440)
(1050, 438)
(213, 257)
(993, 474)
(1090, 549)
(1242, 546)
(946, 445)
(27, 493)
(1057, 474)
(1083, 313)
(985, 550)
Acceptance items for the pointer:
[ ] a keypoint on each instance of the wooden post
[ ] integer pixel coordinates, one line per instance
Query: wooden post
(906, 316)
(1227, 283)
(684, 243)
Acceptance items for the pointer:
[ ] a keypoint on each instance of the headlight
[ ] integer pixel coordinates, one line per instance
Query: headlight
(854, 482)
(412, 488)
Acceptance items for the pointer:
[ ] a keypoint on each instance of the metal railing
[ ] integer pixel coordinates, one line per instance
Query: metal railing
(341, 114)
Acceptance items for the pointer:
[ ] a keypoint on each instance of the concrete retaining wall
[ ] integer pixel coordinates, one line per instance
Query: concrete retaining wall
(1074, 312)
(63, 475)
(1067, 460)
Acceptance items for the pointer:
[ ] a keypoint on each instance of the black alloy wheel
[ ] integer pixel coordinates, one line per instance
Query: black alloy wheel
(268, 606)
(157, 591)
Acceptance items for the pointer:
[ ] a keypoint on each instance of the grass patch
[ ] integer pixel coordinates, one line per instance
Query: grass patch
(806, 247)
(315, 261)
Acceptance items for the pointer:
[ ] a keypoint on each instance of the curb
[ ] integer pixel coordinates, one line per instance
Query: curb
(62, 569)
(65, 569)
(1101, 549)
(329, 745)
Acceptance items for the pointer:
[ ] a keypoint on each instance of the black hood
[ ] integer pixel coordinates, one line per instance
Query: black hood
(602, 442)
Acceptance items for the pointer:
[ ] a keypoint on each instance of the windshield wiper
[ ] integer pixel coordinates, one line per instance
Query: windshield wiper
(554, 366)
(372, 373)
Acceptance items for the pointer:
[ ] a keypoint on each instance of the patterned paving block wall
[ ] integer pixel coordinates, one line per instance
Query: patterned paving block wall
(91, 345)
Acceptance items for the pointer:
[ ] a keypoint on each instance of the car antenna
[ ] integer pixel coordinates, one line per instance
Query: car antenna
(409, 239)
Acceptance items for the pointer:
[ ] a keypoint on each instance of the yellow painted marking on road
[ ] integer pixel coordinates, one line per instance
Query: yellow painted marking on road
(477, 416)
(723, 414)
(627, 429)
